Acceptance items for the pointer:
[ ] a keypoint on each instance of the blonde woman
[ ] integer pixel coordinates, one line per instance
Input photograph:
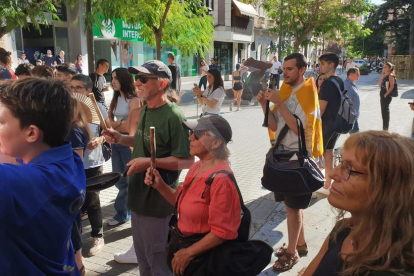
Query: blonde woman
(387, 77)
(375, 184)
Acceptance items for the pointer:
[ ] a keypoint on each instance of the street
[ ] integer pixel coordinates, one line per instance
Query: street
(248, 149)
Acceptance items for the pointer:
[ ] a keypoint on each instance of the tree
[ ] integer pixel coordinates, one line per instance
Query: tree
(304, 18)
(334, 47)
(397, 18)
(16, 13)
(185, 24)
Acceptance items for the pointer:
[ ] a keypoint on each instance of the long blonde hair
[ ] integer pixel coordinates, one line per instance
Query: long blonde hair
(384, 238)
(79, 118)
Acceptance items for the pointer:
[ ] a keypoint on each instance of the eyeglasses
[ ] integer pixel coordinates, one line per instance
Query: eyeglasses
(346, 171)
(144, 79)
(76, 88)
(199, 134)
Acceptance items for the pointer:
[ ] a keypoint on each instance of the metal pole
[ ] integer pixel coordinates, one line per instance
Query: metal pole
(280, 31)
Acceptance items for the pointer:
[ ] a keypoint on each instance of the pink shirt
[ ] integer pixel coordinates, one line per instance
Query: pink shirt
(196, 216)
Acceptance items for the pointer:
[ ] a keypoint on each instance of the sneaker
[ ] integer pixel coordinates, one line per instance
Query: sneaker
(323, 191)
(84, 216)
(97, 245)
(231, 107)
(238, 109)
(314, 195)
(113, 222)
(128, 257)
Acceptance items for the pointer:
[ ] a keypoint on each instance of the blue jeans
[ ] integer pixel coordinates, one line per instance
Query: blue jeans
(121, 155)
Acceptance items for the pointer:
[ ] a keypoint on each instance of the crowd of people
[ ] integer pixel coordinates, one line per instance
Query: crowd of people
(50, 145)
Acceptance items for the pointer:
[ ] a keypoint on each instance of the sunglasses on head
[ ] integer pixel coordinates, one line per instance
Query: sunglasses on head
(199, 133)
(144, 79)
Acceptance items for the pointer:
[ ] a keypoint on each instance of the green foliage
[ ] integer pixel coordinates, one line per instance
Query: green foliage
(394, 16)
(15, 13)
(185, 24)
(304, 18)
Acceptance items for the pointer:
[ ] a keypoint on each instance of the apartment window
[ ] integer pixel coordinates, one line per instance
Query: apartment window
(209, 4)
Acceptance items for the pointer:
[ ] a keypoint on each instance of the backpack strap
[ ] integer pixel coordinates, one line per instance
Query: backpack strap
(244, 228)
(334, 81)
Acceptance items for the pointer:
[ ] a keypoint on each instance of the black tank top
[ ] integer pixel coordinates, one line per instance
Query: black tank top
(331, 264)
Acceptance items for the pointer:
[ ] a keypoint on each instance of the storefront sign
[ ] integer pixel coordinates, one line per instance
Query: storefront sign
(117, 29)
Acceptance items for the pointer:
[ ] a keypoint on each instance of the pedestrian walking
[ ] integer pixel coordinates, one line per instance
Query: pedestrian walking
(93, 163)
(41, 197)
(329, 101)
(176, 74)
(237, 86)
(377, 237)
(124, 100)
(99, 81)
(352, 92)
(203, 74)
(297, 96)
(350, 64)
(212, 99)
(276, 71)
(150, 212)
(79, 64)
(385, 98)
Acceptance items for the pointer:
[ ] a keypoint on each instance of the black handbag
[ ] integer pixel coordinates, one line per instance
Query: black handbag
(106, 150)
(291, 172)
(280, 71)
(394, 92)
(241, 257)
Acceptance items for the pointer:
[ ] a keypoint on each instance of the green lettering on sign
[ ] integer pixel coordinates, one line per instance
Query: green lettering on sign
(116, 29)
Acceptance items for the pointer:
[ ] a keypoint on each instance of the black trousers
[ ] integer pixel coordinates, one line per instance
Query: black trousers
(92, 205)
(76, 234)
(276, 79)
(203, 82)
(385, 111)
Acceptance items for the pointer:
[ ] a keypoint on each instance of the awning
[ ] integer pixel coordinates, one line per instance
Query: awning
(246, 9)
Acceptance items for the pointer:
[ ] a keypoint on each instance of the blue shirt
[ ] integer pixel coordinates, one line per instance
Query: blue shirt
(5, 73)
(39, 202)
(352, 92)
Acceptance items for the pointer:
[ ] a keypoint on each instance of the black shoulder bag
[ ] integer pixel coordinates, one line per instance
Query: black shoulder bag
(239, 257)
(169, 176)
(291, 172)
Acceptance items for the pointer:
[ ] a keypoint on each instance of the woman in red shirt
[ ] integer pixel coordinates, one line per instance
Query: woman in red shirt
(211, 210)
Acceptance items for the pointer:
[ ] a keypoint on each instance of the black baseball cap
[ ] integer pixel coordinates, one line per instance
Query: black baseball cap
(216, 124)
(153, 67)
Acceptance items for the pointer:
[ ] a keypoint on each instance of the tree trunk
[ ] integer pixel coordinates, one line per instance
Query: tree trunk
(411, 51)
(89, 41)
(158, 39)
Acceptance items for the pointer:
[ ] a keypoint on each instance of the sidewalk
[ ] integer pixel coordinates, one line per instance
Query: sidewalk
(248, 150)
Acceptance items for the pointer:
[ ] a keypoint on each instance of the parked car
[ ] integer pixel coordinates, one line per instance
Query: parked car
(359, 62)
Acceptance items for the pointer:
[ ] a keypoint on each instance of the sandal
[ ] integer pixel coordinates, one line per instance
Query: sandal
(82, 271)
(302, 250)
(288, 263)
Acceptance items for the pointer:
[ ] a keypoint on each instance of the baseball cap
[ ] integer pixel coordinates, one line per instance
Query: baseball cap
(153, 67)
(216, 124)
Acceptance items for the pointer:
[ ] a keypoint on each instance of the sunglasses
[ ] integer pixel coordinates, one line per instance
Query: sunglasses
(144, 79)
(198, 134)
